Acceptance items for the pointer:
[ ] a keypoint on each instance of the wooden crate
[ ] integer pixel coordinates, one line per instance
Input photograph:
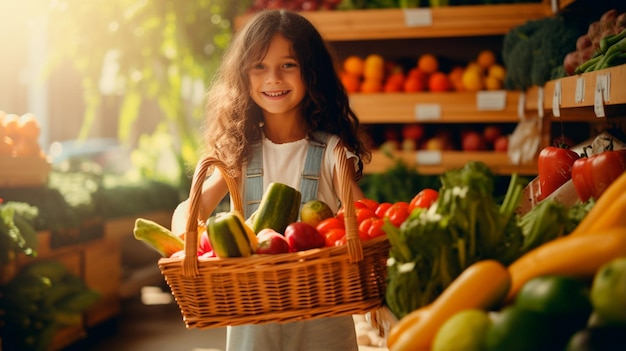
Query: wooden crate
(103, 273)
(23, 171)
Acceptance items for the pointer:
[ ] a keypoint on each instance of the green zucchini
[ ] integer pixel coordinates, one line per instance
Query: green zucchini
(279, 207)
(230, 236)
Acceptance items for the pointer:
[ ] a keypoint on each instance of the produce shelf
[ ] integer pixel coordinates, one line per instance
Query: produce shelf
(578, 96)
(448, 21)
(449, 107)
(437, 162)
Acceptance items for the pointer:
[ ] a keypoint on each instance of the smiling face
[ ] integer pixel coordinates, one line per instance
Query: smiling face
(276, 82)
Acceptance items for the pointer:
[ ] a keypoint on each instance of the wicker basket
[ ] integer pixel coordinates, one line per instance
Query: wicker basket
(331, 281)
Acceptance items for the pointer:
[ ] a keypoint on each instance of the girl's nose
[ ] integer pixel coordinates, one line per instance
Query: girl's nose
(273, 76)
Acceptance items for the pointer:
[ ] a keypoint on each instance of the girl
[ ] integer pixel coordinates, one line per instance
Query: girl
(275, 111)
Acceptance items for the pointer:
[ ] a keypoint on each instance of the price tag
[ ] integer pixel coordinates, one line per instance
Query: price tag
(521, 105)
(427, 112)
(580, 90)
(556, 99)
(491, 100)
(601, 94)
(418, 17)
(428, 157)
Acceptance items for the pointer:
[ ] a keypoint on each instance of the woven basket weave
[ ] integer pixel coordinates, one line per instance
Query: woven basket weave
(331, 281)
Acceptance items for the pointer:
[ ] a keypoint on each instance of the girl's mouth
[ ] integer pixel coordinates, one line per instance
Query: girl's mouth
(276, 93)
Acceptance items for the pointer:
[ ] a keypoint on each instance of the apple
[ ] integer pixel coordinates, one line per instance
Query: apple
(491, 133)
(435, 144)
(412, 131)
(501, 144)
(271, 242)
(205, 244)
(303, 236)
(473, 141)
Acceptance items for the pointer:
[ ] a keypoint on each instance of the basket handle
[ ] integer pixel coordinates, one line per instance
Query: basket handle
(355, 247)
(190, 261)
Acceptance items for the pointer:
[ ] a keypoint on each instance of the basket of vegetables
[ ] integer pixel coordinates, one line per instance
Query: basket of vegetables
(285, 287)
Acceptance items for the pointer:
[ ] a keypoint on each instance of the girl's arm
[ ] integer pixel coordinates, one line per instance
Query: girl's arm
(213, 191)
(357, 192)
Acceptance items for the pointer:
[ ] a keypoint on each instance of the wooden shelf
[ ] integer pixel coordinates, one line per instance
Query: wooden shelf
(578, 94)
(453, 107)
(437, 162)
(450, 21)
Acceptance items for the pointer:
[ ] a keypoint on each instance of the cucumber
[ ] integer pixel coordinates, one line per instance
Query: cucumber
(279, 207)
(157, 237)
(230, 236)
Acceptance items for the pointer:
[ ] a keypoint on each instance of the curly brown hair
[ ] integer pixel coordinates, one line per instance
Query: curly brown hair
(233, 120)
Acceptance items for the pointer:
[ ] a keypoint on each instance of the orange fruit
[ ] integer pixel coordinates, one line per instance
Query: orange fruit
(394, 82)
(351, 82)
(6, 146)
(374, 67)
(497, 71)
(493, 83)
(10, 123)
(27, 148)
(456, 78)
(371, 86)
(486, 59)
(416, 80)
(28, 127)
(439, 82)
(428, 63)
(353, 65)
(473, 78)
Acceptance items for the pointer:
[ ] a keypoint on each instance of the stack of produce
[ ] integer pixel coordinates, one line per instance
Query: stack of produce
(562, 292)
(19, 135)
(374, 74)
(603, 46)
(533, 52)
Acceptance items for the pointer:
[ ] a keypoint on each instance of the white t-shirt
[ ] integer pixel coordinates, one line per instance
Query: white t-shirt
(284, 163)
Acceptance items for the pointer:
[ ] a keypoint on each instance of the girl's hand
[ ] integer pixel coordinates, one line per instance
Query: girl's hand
(179, 218)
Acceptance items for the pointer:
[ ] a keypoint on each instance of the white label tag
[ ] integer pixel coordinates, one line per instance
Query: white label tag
(580, 90)
(601, 95)
(427, 112)
(556, 99)
(491, 100)
(418, 17)
(428, 157)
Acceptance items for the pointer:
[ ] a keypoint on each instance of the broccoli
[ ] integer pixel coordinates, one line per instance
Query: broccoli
(533, 52)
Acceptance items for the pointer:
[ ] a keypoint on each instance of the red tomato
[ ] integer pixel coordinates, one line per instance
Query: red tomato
(340, 214)
(334, 235)
(341, 241)
(303, 236)
(592, 175)
(423, 199)
(363, 214)
(364, 228)
(398, 213)
(376, 228)
(366, 203)
(554, 168)
(329, 223)
(382, 209)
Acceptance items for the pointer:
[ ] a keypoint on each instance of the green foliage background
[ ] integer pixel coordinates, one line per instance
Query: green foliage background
(160, 49)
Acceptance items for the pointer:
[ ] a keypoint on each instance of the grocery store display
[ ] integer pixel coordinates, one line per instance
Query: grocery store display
(601, 46)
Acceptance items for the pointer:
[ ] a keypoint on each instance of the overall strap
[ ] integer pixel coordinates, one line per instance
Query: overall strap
(310, 174)
(313, 166)
(254, 180)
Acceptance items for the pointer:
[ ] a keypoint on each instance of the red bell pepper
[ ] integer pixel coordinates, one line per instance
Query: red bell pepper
(554, 166)
(592, 175)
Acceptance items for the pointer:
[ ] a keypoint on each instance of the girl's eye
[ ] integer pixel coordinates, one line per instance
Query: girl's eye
(290, 65)
(258, 66)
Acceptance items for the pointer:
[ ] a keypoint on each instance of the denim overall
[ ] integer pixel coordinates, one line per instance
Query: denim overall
(323, 334)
